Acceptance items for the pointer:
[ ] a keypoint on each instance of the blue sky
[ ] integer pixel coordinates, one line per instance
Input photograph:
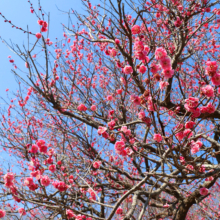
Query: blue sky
(18, 11)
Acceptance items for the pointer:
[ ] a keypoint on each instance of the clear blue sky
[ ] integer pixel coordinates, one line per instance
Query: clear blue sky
(18, 11)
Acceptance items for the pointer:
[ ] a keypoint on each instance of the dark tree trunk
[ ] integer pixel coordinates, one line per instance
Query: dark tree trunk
(182, 211)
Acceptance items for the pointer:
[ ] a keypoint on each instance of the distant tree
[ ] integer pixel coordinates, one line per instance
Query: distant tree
(120, 118)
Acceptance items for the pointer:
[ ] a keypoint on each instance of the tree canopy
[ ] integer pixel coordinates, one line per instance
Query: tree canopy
(119, 119)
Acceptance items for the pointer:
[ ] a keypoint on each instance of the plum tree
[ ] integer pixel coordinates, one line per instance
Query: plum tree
(120, 118)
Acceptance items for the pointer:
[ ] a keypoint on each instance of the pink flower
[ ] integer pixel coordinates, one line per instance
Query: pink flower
(119, 211)
(28, 181)
(81, 107)
(128, 70)
(141, 115)
(2, 213)
(165, 63)
(109, 97)
(119, 91)
(189, 168)
(208, 91)
(187, 133)
(135, 29)
(163, 84)
(216, 79)
(142, 69)
(45, 180)
(43, 149)
(52, 168)
(196, 112)
(147, 120)
(34, 149)
(61, 186)
(22, 211)
(178, 22)
(191, 103)
(101, 130)
(26, 65)
(150, 105)
(195, 146)
(182, 160)
(40, 142)
(123, 80)
(211, 68)
(202, 169)
(180, 136)
(141, 56)
(9, 179)
(113, 52)
(146, 49)
(203, 191)
(44, 29)
(160, 53)
(119, 147)
(45, 24)
(199, 143)
(38, 35)
(117, 41)
(210, 178)
(111, 124)
(138, 46)
(135, 99)
(40, 22)
(158, 137)
(105, 135)
(97, 164)
(154, 68)
(93, 107)
(168, 73)
(195, 149)
(129, 151)
(203, 109)
(92, 194)
(189, 124)
(70, 214)
(126, 131)
(210, 108)
(36, 174)
(33, 187)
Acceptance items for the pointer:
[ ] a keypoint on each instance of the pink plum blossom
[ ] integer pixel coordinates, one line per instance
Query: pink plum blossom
(128, 70)
(135, 29)
(165, 63)
(208, 91)
(142, 69)
(160, 53)
(97, 164)
(38, 35)
(2, 213)
(45, 180)
(163, 84)
(101, 130)
(191, 103)
(203, 191)
(119, 146)
(82, 107)
(158, 137)
(93, 107)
